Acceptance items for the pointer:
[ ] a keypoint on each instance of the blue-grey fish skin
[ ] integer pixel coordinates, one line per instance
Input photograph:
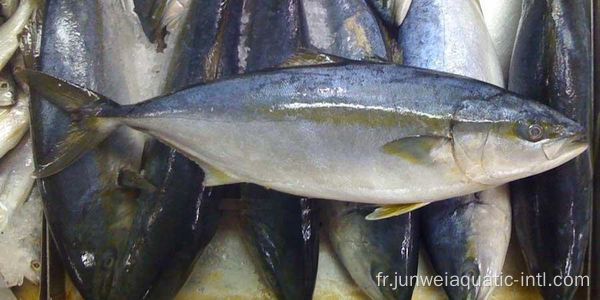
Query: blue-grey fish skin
(554, 208)
(83, 203)
(281, 229)
(207, 46)
(372, 250)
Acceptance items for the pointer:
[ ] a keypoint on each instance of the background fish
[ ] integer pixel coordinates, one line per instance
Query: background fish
(554, 208)
(345, 28)
(372, 249)
(502, 19)
(281, 230)
(392, 12)
(468, 235)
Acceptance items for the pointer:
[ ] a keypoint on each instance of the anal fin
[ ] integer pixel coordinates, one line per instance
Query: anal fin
(394, 210)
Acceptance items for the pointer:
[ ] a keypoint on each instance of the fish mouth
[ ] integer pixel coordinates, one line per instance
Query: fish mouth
(568, 147)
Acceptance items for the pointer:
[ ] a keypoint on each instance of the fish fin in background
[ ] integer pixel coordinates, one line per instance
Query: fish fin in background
(133, 179)
(150, 13)
(308, 57)
(419, 149)
(389, 211)
(84, 133)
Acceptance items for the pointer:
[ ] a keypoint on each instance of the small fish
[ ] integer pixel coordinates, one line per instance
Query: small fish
(14, 122)
(20, 244)
(502, 19)
(10, 30)
(554, 208)
(471, 137)
(392, 12)
(468, 236)
(7, 89)
(9, 7)
(16, 180)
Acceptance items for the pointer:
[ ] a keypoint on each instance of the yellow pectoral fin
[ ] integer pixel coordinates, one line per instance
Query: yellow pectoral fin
(417, 149)
(215, 177)
(394, 210)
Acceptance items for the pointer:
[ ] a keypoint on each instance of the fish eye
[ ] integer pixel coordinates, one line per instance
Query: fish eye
(535, 132)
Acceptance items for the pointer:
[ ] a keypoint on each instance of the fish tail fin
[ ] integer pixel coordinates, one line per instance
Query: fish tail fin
(87, 129)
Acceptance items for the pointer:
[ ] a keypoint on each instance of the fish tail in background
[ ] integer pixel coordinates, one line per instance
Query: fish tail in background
(281, 229)
(86, 130)
(554, 208)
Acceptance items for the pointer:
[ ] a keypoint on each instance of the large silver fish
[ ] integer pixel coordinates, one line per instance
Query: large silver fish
(450, 36)
(552, 63)
(366, 130)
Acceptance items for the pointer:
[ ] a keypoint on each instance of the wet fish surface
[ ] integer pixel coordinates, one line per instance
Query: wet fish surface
(554, 208)
(467, 235)
(341, 112)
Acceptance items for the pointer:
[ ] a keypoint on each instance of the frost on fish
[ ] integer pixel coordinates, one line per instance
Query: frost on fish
(16, 180)
(20, 244)
(14, 122)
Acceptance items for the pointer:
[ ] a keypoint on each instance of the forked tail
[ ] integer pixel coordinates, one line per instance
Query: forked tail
(86, 130)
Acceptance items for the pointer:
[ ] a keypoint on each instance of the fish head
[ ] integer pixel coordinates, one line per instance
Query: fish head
(507, 138)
